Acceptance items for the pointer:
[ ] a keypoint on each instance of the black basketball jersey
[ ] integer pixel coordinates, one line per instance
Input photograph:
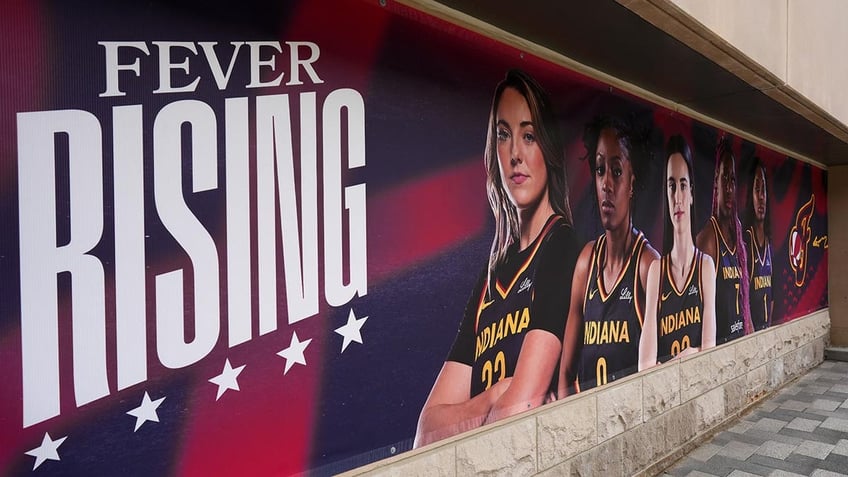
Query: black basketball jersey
(760, 291)
(612, 320)
(729, 320)
(496, 323)
(679, 312)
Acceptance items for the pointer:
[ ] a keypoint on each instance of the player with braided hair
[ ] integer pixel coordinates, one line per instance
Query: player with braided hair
(721, 239)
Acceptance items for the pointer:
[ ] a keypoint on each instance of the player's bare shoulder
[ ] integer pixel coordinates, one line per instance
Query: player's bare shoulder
(706, 241)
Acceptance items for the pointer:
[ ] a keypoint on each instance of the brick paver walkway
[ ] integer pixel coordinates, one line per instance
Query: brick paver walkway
(801, 430)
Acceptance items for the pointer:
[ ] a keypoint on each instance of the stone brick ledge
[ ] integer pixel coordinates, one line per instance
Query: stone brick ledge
(636, 425)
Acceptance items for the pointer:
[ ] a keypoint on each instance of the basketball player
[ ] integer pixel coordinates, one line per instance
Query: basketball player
(508, 345)
(758, 240)
(601, 342)
(721, 239)
(680, 308)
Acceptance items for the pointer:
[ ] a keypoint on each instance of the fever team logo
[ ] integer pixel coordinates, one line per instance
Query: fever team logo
(799, 241)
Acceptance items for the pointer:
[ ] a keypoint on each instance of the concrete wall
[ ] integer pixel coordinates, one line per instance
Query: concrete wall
(817, 47)
(837, 280)
(802, 42)
(758, 28)
(634, 425)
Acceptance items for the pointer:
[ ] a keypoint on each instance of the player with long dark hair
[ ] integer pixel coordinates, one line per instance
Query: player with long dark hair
(601, 341)
(680, 303)
(508, 345)
(721, 239)
(758, 240)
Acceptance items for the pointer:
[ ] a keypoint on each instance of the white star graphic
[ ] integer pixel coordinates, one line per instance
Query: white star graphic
(294, 353)
(351, 330)
(228, 379)
(47, 450)
(146, 411)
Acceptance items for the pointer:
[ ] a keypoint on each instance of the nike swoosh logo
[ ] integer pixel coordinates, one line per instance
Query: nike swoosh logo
(665, 296)
(486, 305)
(724, 253)
(592, 293)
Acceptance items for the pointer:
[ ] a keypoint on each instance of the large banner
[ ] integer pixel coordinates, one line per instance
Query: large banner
(292, 237)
